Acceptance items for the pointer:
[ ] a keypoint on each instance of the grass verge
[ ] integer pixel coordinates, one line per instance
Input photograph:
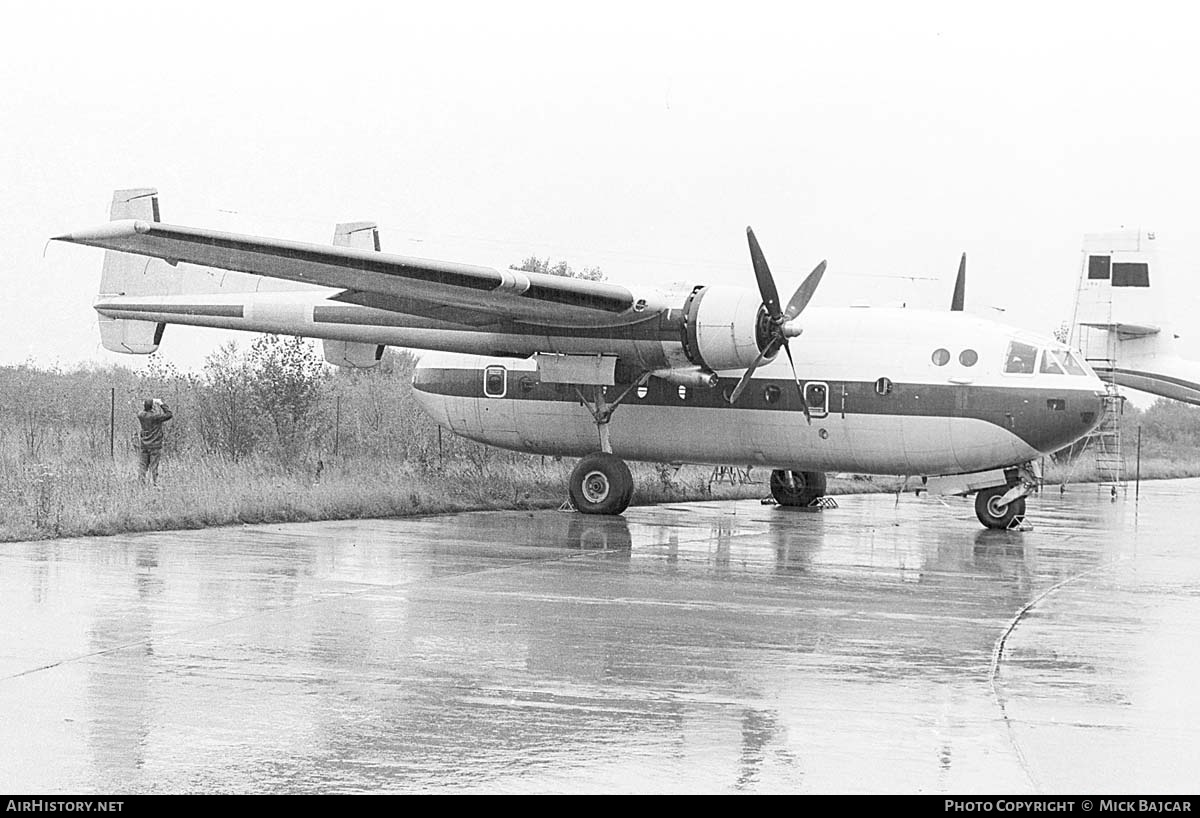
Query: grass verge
(101, 497)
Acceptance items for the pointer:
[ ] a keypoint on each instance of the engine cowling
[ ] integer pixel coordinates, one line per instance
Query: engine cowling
(724, 327)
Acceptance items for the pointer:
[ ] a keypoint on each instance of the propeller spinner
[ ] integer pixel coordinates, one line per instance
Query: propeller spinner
(782, 324)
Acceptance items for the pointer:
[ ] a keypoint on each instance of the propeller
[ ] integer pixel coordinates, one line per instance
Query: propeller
(782, 321)
(960, 286)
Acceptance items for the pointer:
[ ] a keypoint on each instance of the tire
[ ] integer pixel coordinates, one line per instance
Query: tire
(601, 484)
(805, 487)
(991, 515)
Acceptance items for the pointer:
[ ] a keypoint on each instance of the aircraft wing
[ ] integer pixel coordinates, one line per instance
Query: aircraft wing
(464, 293)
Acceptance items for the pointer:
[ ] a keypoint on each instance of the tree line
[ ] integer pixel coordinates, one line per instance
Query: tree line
(274, 399)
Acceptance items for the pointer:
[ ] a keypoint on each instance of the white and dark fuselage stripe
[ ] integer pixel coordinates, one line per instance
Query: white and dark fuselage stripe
(917, 428)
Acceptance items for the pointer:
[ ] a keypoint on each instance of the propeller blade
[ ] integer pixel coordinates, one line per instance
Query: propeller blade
(805, 293)
(960, 286)
(745, 381)
(766, 284)
(799, 388)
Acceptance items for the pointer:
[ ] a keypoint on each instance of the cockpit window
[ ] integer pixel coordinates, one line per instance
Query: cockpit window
(1020, 359)
(1060, 362)
(1050, 364)
(1072, 364)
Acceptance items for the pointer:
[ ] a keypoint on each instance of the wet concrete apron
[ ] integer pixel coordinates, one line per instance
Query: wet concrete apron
(882, 646)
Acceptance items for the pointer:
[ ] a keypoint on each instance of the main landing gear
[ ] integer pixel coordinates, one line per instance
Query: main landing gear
(797, 488)
(601, 484)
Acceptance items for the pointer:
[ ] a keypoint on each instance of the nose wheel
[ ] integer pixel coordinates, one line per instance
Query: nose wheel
(993, 512)
(601, 483)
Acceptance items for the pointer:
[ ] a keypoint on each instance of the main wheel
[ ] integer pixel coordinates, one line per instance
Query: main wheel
(800, 490)
(601, 484)
(991, 513)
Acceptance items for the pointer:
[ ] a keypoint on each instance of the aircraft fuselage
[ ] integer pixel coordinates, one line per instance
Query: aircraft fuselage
(879, 400)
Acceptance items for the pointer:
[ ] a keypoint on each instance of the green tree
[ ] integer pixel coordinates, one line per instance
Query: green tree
(533, 264)
(288, 380)
(227, 403)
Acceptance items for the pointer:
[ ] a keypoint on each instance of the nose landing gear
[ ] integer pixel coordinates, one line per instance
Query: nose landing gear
(994, 511)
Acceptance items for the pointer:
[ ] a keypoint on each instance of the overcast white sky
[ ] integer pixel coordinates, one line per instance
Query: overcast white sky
(642, 137)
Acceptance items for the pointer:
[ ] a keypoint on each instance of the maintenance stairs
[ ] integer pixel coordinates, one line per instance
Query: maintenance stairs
(1106, 443)
(1098, 347)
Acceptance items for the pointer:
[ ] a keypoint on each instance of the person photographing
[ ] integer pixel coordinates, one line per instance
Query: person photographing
(150, 439)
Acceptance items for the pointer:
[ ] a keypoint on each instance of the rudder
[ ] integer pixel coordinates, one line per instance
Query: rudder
(124, 274)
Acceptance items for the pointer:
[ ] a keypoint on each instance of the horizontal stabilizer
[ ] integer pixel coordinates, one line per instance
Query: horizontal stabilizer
(1125, 330)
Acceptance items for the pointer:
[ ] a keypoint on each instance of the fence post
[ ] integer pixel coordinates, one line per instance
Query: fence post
(1137, 484)
(337, 425)
(112, 423)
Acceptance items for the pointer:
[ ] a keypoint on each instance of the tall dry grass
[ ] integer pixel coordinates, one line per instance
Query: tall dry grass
(98, 496)
(366, 451)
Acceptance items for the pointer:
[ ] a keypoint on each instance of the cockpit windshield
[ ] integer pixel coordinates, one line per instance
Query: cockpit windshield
(1023, 359)
(1072, 365)
(1020, 358)
(1051, 365)
(1060, 362)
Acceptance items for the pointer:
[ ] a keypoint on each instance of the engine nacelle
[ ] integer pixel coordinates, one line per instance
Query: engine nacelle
(724, 327)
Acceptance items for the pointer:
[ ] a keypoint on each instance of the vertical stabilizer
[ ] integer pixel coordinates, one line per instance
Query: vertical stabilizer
(125, 274)
(360, 235)
(1120, 301)
(1121, 317)
(960, 286)
(363, 236)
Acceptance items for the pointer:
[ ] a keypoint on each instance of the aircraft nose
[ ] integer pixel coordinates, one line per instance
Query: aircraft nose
(1089, 416)
(1065, 420)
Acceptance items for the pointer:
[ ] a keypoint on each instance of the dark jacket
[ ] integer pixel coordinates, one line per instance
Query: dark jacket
(152, 433)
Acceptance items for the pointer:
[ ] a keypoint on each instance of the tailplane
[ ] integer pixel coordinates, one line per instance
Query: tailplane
(126, 276)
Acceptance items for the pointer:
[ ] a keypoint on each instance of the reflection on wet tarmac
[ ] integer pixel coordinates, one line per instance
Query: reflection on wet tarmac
(712, 647)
